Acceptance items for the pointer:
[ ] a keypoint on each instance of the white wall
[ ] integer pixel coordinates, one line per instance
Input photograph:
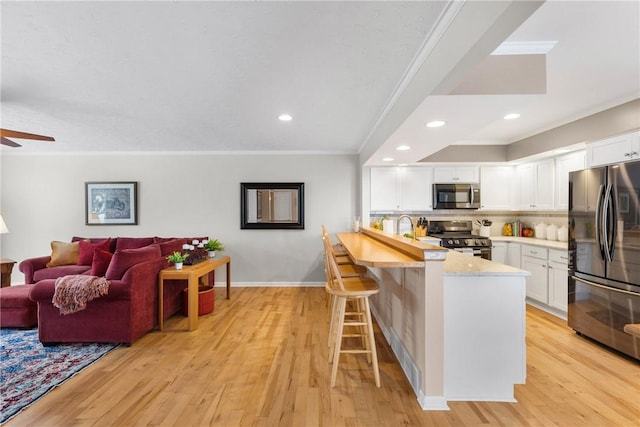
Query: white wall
(42, 199)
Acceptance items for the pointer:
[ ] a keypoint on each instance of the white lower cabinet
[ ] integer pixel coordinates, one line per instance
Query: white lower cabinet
(558, 281)
(534, 260)
(548, 281)
(514, 257)
(499, 252)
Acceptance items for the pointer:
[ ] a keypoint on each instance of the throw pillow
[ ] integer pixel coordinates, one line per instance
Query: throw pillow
(63, 253)
(171, 246)
(101, 261)
(87, 250)
(125, 258)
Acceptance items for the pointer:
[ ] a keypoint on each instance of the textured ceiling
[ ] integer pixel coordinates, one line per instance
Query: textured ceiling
(356, 76)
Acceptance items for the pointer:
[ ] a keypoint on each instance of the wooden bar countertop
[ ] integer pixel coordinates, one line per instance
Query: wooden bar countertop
(372, 248)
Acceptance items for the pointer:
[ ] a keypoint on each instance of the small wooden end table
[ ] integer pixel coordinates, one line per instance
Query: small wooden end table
(194, 274)
(6, 267)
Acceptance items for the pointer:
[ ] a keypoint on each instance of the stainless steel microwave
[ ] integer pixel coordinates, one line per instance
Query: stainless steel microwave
(456, 196)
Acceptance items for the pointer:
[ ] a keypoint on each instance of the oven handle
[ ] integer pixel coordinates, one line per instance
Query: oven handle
(471, 194)
(587, 282)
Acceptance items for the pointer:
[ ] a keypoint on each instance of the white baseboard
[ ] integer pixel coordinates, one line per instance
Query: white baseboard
(223, 284)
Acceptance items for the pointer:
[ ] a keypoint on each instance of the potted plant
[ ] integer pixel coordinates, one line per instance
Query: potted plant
(212, 246)
(177, 258)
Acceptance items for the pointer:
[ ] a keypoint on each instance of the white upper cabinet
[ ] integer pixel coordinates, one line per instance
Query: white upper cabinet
(455, 175)
(417, 189)
(495, 187)
(565, 164)
(385, 189)
(621, 148)
(401, 189)
(535, 185)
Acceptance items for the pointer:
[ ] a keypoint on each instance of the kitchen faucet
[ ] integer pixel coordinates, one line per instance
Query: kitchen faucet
(400, 218)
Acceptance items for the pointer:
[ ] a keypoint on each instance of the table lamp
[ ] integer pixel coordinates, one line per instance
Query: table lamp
(3, 226)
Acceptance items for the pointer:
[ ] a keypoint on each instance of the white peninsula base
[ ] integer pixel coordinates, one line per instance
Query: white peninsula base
(484, 328)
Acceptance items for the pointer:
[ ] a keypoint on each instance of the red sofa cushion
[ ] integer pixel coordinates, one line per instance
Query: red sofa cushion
(59, 271)
(132, 242)
(101, 261)
(112, 246)
(125, 258)
(88, 248)
(170, 246)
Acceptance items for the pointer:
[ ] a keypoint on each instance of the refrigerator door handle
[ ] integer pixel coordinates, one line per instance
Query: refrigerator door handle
(597, 222)
(608, 235)
(590, 283)
(614, 222)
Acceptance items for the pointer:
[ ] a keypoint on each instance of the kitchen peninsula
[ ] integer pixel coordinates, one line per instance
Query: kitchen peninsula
(455, 322)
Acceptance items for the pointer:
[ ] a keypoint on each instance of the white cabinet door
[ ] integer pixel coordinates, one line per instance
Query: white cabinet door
(469, 174)
(514, 254)
(401, 188)
(385, 189)
(545, 184)
(564, 165)
(536, 185)
(499, 252)
(526, 186)
(537, 283)
(495, 187)
(558, 282)
(621, 148)
(417, 189)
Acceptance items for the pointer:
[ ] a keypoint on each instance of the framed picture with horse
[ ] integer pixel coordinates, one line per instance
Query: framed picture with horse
(111, 203)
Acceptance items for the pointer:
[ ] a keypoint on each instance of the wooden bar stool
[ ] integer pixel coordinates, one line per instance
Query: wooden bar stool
(340, 253)
(356, 290)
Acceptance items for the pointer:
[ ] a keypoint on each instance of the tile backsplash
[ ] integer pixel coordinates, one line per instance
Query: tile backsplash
(498, 218)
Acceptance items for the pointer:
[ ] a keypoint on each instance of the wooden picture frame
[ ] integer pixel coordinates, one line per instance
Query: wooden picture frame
(111, 203)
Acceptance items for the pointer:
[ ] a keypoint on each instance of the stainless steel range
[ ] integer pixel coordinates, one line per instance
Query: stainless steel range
(457, 235)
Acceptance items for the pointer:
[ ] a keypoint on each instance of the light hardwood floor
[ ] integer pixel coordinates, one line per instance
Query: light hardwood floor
(261, 360)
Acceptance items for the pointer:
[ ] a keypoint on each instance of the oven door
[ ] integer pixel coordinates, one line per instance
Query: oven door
(481, 252)
(456, 196)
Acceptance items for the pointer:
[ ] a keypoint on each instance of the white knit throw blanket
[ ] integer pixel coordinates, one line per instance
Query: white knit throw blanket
(73, 292)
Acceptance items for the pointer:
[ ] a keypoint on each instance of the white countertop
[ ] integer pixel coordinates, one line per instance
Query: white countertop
(459, 264)
(552, 244)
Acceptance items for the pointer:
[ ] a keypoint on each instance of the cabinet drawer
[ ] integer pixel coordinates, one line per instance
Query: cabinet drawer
(561, 257)
(534, 251)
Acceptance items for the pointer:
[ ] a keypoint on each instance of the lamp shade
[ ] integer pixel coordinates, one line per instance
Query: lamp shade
(3, 226)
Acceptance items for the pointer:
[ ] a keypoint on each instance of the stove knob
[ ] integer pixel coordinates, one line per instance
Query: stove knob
(457, 242)
(479, 242)
(450, 242)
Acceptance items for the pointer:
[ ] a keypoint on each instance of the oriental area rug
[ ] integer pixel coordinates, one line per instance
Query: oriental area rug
(28, 370)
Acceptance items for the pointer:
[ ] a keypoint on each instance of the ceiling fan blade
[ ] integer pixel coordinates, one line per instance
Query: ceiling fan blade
(24, 135)
(8, 142)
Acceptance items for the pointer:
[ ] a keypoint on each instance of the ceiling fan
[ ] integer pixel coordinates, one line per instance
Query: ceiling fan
(5, 134)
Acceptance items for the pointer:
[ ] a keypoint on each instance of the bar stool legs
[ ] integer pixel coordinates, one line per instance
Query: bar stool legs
(363, 322)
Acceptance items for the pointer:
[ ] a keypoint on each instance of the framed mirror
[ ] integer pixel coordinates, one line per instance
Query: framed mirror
(272, 205)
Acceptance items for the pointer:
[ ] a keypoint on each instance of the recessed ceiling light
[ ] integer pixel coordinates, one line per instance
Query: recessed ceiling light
(511, 116)
(387, 159)
(285, 117)
(403, 164)
(403, 148)
(435, 124)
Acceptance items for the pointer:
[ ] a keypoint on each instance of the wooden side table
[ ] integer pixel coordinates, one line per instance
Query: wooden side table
(193, 274)
(6, 267)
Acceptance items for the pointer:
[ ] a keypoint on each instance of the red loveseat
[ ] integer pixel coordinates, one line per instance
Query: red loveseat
(128, 311)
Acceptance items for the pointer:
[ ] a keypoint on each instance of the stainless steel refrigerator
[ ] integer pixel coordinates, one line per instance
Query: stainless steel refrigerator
(604, 254)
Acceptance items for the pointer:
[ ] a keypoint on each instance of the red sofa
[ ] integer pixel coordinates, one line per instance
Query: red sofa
(128, 311)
